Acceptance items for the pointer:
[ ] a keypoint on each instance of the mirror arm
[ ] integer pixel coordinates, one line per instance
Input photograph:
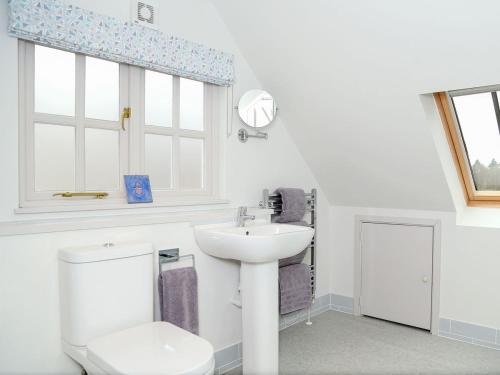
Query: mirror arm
(243, 135)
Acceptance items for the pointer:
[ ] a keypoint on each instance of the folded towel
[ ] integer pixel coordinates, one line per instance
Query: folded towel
(295, 288)
(293, 205)
(178, 291)
(297, 258)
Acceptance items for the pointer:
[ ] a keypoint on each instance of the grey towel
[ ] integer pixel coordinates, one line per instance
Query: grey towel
(178, 292)
(293, 205)
(295, 288)
(297, 258)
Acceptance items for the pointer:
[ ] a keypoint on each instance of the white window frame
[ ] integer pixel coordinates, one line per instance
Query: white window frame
(132, 146)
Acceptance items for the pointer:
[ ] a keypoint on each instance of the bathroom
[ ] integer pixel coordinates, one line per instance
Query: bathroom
(355, 119)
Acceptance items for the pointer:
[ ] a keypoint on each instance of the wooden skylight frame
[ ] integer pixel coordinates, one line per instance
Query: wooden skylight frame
(453, 133)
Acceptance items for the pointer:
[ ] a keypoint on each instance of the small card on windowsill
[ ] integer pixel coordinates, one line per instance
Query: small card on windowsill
(138, 189)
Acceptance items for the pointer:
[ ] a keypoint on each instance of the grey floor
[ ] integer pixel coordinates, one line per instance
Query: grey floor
(339, 343)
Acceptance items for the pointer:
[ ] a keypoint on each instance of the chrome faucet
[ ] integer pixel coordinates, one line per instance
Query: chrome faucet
(243, 217)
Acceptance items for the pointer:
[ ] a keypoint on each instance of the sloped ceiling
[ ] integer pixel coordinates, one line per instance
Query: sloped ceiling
(347, 76)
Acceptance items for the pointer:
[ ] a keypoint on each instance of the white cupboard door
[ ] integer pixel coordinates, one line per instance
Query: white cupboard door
(396, 273)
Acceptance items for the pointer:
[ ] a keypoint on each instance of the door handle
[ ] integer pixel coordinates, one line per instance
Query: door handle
(425, 279)
(126, 113)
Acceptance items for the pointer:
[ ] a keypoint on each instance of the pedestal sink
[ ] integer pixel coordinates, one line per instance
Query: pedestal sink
(258, 246)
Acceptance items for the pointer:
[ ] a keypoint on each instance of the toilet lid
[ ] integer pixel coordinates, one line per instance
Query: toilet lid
(152, 348)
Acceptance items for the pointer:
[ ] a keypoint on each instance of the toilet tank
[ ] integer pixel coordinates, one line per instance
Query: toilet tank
(104, 288)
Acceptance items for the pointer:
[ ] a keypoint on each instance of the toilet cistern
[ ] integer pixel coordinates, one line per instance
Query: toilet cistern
(242, 216)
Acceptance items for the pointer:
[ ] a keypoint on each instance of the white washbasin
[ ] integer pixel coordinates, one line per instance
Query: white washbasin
(258, 243)
(258, 246)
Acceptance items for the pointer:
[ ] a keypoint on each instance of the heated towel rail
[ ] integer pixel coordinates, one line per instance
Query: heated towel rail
(273, 202)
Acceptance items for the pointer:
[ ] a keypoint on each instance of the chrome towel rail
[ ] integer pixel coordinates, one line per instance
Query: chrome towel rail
(170, 256)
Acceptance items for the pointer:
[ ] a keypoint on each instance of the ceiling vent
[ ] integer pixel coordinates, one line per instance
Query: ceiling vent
(145, 13)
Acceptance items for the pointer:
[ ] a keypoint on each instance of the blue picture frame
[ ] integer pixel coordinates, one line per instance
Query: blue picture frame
(138, 189)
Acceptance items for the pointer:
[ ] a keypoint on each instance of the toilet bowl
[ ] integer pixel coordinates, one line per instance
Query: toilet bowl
(107, 322)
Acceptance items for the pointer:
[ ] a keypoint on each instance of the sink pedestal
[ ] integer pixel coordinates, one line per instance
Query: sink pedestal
(260, 316)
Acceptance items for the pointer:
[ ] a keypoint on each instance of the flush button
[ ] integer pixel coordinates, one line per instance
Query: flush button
(108, 244)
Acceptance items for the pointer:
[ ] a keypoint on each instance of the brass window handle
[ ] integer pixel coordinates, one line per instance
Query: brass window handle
(97, 194)
(126, 113)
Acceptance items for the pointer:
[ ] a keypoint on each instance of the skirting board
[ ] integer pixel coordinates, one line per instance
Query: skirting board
(230, 357)
(470, 333)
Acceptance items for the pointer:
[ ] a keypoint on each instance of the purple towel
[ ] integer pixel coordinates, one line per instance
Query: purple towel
(293, 205)
(178, 292)
(297, 258)
(295, 288)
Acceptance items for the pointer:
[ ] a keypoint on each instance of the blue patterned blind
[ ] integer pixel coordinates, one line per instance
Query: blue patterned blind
(54, 23)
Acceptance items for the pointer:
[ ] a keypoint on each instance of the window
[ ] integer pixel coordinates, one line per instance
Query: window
(472, 124)
(73, 137)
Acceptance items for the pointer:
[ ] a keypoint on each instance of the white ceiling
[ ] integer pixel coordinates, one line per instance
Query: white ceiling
(347, 77)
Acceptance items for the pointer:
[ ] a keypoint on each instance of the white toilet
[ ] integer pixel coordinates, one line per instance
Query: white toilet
(107, 309)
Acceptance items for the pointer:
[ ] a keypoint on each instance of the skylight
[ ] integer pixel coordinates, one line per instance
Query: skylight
(472, 122)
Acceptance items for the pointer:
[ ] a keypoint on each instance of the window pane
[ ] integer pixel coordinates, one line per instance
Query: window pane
(54, 157)
(476, 116)
(54, 81)
(102, 89)
(102, 159)
(159, 160)
(191, 163)
(158, 99)
(191, 104)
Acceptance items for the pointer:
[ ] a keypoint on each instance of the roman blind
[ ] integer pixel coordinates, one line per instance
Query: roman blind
(68, 27)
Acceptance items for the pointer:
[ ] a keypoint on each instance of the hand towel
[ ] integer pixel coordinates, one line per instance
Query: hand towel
(293, 205)
(178, 295)
(295, 288)
(297, 258)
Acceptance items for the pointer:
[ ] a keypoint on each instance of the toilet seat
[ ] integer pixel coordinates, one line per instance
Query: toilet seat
(155, 348)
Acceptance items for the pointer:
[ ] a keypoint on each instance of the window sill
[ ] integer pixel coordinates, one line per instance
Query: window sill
(117, 205)
(194, 216)
(481, 217)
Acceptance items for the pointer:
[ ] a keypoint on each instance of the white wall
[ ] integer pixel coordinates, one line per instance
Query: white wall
(469, 263)
(29, 317)
(351, 72)
(471, 277)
